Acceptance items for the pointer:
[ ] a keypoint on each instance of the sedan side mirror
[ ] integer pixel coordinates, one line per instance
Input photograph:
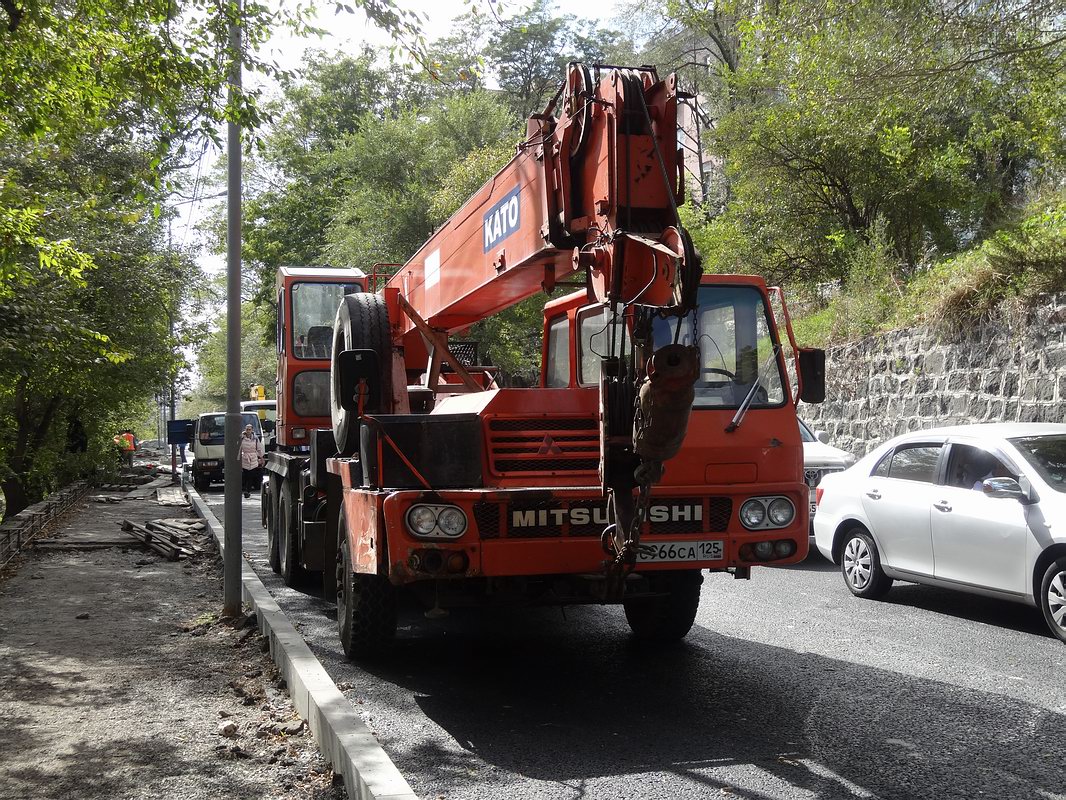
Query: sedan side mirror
(1004, 487)
(822, 437)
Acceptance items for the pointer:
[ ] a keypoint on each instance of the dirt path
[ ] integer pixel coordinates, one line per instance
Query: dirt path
(116, 679)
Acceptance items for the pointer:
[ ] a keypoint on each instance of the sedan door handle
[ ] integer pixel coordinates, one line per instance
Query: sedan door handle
(942, 506)
(874, 495)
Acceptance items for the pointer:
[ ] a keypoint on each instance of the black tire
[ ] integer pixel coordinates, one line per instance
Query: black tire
(366, 606)
(362, 323)
(201, 482)
(264, 505)
(667, 617)
(860, 564)
(273, 552)
(288, 537)
(1053, 598)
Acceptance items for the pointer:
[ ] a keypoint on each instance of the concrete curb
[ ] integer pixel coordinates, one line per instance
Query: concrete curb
(369, 773)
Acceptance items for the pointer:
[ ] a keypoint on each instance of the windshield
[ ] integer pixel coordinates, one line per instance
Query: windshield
(1047, 455)
(212, 428)
(264, 410)
(805, 432)
(314, 307)
(733, 331)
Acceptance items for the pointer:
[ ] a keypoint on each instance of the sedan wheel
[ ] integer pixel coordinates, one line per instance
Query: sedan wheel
(1053, 598)
(861, 566)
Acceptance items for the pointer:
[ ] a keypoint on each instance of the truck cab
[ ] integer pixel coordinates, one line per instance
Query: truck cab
(307, 300)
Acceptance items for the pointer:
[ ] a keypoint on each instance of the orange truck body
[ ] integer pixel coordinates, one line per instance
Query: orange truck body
(588, 201)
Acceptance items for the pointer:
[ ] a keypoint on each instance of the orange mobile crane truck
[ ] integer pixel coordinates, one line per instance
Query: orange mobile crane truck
(661, 441)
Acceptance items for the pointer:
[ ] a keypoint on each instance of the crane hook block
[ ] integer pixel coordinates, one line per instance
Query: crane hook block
(664, 402)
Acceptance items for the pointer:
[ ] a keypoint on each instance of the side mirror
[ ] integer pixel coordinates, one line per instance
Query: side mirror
(1004, 487)
(351, 366)
(812, 375)
(822, 437)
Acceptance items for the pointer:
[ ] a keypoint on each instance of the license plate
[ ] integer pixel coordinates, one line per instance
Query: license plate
(814, 504)
(682, 551)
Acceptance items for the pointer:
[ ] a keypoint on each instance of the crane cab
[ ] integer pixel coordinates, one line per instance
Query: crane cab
(307, 300)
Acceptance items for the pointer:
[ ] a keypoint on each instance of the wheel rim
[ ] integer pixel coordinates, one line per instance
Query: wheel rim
(1056, 599)
(858, 563)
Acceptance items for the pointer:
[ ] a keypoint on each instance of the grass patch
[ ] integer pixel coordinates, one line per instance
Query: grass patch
(1011, 268)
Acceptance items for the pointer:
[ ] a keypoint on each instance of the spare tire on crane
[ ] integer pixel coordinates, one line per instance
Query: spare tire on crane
(362, 323)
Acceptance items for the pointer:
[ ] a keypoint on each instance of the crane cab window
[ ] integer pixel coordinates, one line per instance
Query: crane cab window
(314, 308)
(596, 328)
(737, 342)
(557, 357)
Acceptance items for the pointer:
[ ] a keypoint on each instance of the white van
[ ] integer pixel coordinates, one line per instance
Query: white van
(209, 445)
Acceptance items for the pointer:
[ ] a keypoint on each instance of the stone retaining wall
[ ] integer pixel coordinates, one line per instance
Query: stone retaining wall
(1011, 368)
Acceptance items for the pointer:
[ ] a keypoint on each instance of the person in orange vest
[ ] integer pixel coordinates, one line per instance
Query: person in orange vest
(126, 443)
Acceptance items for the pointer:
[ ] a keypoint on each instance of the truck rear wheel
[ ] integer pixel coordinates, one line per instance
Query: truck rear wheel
(273, 553)
(288, 537)
(366, 606)
(362, 324)
(201, 482)
(668, 616)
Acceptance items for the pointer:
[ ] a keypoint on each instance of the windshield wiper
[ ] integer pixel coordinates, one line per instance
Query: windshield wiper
(750, 398)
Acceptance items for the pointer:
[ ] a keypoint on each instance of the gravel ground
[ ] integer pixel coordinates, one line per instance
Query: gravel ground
(787, 687)
(118, 681)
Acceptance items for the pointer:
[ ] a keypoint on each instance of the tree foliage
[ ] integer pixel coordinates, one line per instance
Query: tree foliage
(925, 120)
(101, 101)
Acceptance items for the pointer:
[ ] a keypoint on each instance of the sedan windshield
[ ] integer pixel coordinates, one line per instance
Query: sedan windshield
(1047, 455)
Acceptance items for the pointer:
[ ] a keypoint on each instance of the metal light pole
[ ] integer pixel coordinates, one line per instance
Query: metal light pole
(231, 605)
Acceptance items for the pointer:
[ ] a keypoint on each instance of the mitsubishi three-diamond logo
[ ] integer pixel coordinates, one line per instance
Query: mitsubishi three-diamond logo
(549, 448)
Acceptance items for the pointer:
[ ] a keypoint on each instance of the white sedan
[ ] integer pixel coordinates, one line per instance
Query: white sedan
(978, 508)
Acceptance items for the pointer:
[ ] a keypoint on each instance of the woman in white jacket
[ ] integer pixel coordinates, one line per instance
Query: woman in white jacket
(251, 460)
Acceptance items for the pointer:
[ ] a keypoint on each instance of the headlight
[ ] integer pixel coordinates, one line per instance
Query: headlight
(421, 520)
(752, 514)
(849, 459)
(780, 512)
(436, 521)
(767, 513)
(451, 521)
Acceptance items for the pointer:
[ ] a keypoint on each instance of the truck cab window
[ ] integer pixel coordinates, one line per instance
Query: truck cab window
(314, 308)
(733, 331)
(557, 366)
(596, 329)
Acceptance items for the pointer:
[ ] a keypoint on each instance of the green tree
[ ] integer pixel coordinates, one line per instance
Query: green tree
(924, 120)
(529, 51)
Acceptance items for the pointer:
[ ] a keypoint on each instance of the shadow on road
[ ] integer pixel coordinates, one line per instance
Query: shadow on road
(973, 607)
(536, 697)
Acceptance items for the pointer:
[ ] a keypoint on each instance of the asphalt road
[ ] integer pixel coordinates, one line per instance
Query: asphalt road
(787, 687)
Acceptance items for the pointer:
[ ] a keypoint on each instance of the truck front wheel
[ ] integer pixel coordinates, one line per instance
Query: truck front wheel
(668, 615)
(366, 607)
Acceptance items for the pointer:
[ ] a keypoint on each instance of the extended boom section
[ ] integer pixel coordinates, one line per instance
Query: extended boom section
(590, 196)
